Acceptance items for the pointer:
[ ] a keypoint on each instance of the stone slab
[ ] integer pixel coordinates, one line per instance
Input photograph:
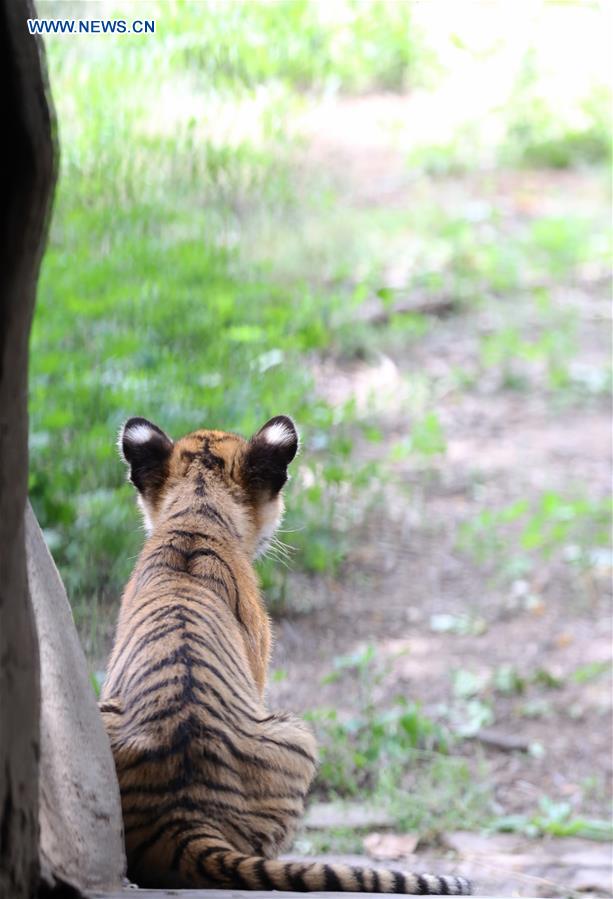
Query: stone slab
(332, 815)
(238, 894)
(81, 834)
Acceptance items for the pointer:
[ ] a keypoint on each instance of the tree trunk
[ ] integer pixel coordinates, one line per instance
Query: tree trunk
(28, 177)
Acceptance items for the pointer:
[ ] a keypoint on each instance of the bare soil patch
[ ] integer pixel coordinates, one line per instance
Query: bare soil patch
(502, 444)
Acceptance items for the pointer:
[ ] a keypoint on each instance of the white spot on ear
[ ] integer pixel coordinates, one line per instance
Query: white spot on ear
(278, 434)
(139, 433)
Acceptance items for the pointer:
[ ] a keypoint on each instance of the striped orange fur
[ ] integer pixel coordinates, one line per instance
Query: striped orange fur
(212, 784)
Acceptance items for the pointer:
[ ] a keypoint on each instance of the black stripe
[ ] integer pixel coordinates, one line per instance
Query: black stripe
(212, 619)
(226, 878)
(251, 877)
(176, 657)
(191, 535)
(208, 805)
(232, 657)
(358, 873)
(246, 757)
(422, 885)
(153, 568)
(175, 610)
(148, 639)
(332, 883)
(442, 886)
(399, 882)
(153, 688)
(138, 721)
(183, 804)
(163, 754)
(139, 850)
(261, 738)
(263, 875)
(274, 871)
(133, 710)
(146, 619)
(237, 878)
(182, 739)
(220, 846)
(179, 783)
(229, 705)
(208, 666)
(295, 877)
(218, 813)
(208, 511)
(180, 514)
(206, 872)
(165, 565)
(209, 459)
(211, 553)
(225, 661)
(376, 881)
(151, 555)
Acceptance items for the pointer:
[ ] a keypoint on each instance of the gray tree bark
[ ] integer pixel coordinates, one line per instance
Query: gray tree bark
(27, 181)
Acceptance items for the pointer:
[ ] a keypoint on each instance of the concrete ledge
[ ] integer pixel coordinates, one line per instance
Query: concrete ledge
(236, 894)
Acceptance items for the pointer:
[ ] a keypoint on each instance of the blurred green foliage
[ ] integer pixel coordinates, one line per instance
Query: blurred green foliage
(396, 755)
(519, 536)
(176, 153)
(144, 305)
(537, 135)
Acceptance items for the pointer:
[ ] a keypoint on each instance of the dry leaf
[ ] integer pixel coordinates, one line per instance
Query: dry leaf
(386, 846)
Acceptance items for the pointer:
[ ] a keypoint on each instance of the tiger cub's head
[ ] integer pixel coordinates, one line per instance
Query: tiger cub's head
(212, 474)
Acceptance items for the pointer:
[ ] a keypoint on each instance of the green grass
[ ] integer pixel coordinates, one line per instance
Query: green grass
(396, 756)
(188, 280)
(552, 527)
(556, 819)
(146, 305)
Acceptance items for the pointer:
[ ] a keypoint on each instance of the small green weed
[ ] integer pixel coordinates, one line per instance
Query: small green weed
(590, 671)
(464, 624)
(336, 839)
(555, 819)
(520, 360)
(517, 536)
(440, 794)
(396, 756)
(427, 438)
(356, 747)
(538, 135)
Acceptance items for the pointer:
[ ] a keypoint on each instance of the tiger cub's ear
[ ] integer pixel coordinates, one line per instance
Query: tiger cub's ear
(268, 454)
(146, 449)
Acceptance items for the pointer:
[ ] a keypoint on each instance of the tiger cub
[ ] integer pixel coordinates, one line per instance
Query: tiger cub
(212, 784)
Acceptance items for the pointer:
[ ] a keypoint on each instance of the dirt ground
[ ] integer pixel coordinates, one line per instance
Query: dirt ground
(507, 865)
(502, 445)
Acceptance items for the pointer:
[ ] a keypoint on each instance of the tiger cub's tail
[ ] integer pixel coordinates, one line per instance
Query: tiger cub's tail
(228, 869)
